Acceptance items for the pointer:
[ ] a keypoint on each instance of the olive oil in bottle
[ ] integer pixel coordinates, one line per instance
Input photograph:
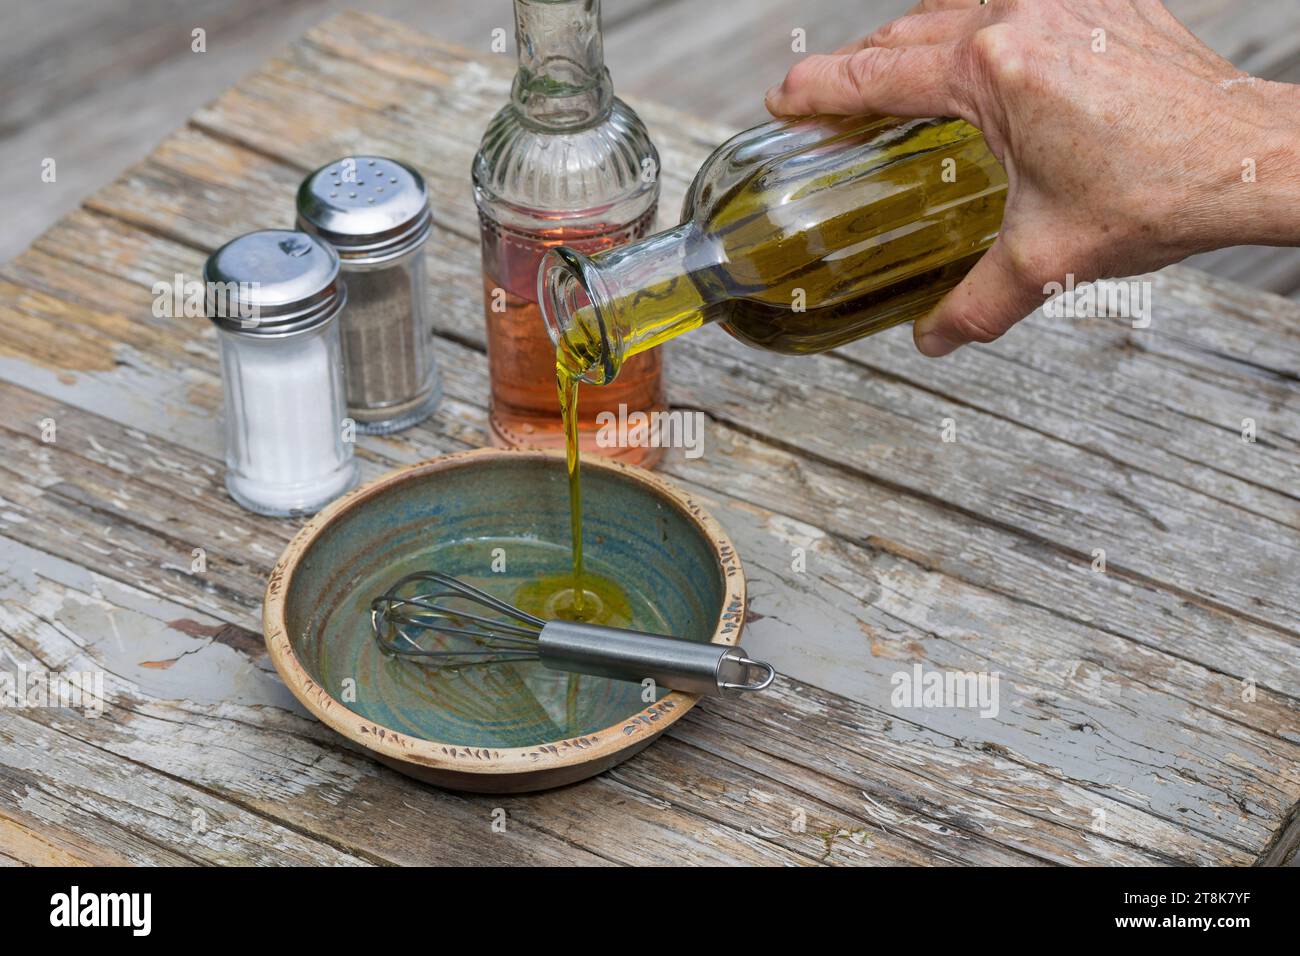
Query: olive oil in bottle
(797, 236)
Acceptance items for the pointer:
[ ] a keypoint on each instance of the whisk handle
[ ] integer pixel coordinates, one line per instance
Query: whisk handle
(714, 669)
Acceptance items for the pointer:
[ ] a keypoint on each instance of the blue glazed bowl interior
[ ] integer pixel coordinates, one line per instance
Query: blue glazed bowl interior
(472, 519)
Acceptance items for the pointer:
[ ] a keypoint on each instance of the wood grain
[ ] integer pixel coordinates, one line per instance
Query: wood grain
(1124, 734)
(94, 86)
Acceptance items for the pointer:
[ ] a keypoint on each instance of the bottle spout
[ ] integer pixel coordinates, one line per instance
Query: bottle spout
(600, 310)
(586, 344)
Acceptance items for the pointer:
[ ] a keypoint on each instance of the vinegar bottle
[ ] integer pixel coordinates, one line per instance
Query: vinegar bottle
(797, 236)
(564, 162)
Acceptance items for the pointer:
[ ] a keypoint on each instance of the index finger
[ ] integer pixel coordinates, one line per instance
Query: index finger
(938, 6)
(925, 6)
(899, 81)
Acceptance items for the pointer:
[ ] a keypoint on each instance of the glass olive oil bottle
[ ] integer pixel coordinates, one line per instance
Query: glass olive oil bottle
(797, 236)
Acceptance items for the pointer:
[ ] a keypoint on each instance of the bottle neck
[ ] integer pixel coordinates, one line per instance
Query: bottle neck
(603, 309)
(562, 82)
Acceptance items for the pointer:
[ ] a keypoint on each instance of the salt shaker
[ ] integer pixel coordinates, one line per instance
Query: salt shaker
(275, 297)
(375, 213)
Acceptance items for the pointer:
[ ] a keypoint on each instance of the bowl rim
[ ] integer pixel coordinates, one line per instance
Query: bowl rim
(632, 732)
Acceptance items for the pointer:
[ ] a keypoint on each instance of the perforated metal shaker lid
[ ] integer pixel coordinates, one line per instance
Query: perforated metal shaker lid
(367, 207)
(273, 282)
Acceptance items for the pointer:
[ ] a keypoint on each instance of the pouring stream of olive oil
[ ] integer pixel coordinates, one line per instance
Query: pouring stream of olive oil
(798, 237)
(580, 595)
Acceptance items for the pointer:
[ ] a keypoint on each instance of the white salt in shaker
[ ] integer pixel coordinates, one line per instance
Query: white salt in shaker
(275, 297)
(375, 213)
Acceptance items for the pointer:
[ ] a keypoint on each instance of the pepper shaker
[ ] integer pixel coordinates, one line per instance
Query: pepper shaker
(375, 213)
(275, 297)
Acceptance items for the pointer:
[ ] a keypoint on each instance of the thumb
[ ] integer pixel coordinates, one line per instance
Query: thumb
(995, 295)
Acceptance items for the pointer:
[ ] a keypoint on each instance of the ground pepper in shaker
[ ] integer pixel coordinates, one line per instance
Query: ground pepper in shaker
(375, 213)
(275, 297)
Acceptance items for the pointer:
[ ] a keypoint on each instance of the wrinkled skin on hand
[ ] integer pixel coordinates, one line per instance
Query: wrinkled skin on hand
(1125, 140)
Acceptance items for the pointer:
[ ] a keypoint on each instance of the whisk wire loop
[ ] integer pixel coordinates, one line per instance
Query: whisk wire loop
(512, 637)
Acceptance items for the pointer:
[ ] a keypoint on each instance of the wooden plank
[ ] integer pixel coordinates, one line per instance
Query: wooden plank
(716, 60)
(64, 798)
(125, 75)
(109, 441)
(30, 842)
(1259, 36)
(225, 724)
(234, 519)
(1036, 497)
(460, 282)
(826, 507)
(1275, 269)
(703, 778)
(67, 50)
(1158, 740)
(94, 86)
(166, 718)
(755, 548)
(87, 806)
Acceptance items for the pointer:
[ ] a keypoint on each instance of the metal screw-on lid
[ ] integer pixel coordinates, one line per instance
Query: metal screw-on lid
(273, 282)
(368, 207)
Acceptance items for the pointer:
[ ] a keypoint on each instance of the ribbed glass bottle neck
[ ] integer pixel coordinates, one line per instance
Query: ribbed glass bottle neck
(562, 82)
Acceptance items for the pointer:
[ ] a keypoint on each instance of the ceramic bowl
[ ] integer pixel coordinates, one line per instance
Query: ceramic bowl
(496, 518)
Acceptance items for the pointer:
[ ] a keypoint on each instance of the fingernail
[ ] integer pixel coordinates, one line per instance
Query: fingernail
(934, 345)
(772, 94)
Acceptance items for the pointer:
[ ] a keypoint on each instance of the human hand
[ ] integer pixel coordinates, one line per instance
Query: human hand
(1124, 139)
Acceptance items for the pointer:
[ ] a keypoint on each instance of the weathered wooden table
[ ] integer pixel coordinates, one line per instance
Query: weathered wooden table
(1148, 713)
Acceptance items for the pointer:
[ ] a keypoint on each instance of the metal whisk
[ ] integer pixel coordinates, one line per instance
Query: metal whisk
(438, 620)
